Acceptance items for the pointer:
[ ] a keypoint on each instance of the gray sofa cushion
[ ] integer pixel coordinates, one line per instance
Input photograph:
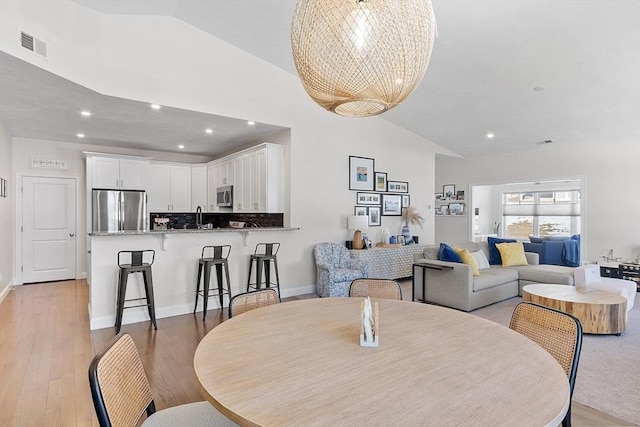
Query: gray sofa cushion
(544, 273)
(494, 276)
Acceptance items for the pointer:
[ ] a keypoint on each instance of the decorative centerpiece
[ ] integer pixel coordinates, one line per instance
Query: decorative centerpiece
(368, 324)
(410, 215)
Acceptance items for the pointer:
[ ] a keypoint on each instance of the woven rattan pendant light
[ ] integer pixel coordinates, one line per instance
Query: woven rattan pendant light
(361, 57)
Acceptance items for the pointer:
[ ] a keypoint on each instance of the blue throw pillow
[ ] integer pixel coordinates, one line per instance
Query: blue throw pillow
(535, 239)
(494, 253)
(448, 254)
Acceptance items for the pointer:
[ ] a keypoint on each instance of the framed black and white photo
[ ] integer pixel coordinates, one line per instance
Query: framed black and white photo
(360, 211)
(460, 195)
(397, 186)
(439, 196)
(361, 173)
(368, 198)
(381, 181)
(374, 216)
(449, 191)
(391, 204)
(406, 200)
(456, 208)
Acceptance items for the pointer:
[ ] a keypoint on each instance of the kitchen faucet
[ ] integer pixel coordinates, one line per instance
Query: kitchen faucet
(198, 217)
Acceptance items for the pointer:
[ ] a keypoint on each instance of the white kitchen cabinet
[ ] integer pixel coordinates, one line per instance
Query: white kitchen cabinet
(257, 176)
(169, 188)
(199, 187)
(118, 173)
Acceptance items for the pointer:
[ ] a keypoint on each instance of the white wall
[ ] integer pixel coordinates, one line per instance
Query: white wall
(6, 213)
(150, 59)
(611, 171)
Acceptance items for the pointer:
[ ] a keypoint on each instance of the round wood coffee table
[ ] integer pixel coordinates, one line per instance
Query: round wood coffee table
(599, 312)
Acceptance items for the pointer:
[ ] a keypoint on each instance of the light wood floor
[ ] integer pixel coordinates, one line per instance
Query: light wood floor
(46, 348)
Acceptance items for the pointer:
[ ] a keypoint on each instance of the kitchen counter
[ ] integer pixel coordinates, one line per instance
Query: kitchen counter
(192, 230)
(175, 268)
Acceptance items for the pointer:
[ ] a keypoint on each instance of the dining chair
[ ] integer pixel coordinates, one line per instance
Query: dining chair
(121, 393)
(557, 332)
(376, 288)
(249, 300)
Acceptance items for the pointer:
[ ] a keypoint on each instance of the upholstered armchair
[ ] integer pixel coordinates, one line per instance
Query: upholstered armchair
(337, 269)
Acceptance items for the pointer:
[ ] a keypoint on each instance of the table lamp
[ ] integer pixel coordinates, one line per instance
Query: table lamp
(358, 223)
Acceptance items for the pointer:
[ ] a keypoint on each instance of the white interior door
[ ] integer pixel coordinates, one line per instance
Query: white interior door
(48, 229)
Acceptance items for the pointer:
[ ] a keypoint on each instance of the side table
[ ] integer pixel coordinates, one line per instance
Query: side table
(419, 293)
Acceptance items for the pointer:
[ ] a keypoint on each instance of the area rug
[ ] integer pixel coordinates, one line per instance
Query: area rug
(608, 376)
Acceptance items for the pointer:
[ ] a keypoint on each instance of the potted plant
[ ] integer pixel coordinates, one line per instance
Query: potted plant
(410, 216)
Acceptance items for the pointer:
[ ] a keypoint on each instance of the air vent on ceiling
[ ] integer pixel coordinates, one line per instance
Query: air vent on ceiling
(33, 44)
(546, 141)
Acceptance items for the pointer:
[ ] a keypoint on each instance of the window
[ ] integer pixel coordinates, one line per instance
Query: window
(545, 213)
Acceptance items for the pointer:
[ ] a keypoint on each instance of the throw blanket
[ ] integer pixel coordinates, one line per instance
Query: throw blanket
(571, 253)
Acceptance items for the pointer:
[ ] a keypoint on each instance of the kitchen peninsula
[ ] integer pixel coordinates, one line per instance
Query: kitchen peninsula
(174, 269)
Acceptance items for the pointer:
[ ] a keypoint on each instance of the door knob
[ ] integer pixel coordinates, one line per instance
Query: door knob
(72, 234)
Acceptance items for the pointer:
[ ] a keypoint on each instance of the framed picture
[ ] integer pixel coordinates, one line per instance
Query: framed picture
(449, 191)
(444, 210)
(391, 204)
(360, 211)
(361, 174)
(381, 181)
(460, 195)
(406, 200)
(439, 196)
(397, 186)
(374, 216)
(368, 198)
(456, 208)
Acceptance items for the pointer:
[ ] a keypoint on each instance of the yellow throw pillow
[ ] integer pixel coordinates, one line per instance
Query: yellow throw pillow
(512, 254)
(468, 259)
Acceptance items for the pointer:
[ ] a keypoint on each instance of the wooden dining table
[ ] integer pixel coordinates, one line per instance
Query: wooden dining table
(300, 363)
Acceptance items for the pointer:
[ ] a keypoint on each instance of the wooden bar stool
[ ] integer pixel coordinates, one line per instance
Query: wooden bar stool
(218, 256)
(136, 265)
(263, 256)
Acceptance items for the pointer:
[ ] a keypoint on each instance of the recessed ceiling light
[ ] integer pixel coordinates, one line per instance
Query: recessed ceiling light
(80, 135)
(181, 146)
(490, 135)
(251, 123)
(538, 88)
(208, 130)
(85, 113)
(155, 106)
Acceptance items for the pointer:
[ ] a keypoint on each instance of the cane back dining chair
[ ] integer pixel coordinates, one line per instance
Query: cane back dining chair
(376, 288)
(250, 300)
(121, 393)
(557, 332)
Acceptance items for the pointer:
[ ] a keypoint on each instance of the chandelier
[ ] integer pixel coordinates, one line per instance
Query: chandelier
(361, 57)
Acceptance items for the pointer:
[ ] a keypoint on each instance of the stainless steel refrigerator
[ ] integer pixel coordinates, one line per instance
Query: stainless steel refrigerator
(119, 210)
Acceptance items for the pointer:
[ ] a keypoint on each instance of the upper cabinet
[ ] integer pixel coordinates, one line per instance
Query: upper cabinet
(169, 188)
(122, 173)
(199, 187)
(257, 176)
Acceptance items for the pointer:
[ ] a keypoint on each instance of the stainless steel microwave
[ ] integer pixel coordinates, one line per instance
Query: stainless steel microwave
(224, 196)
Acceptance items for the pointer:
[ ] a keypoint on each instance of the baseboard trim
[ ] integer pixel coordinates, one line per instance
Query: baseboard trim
(5, 292)
(141, 315)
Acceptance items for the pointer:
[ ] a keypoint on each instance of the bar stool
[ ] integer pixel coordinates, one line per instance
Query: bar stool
(218, 258)
(136, 265)
(264, 254)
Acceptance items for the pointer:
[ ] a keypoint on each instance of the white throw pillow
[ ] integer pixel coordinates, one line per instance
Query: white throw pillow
(481, 260)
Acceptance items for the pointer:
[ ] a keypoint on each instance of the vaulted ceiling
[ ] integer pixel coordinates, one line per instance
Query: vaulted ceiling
(526, 71)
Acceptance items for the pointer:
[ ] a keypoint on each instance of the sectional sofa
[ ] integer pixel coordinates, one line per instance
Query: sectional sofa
(453, 284)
